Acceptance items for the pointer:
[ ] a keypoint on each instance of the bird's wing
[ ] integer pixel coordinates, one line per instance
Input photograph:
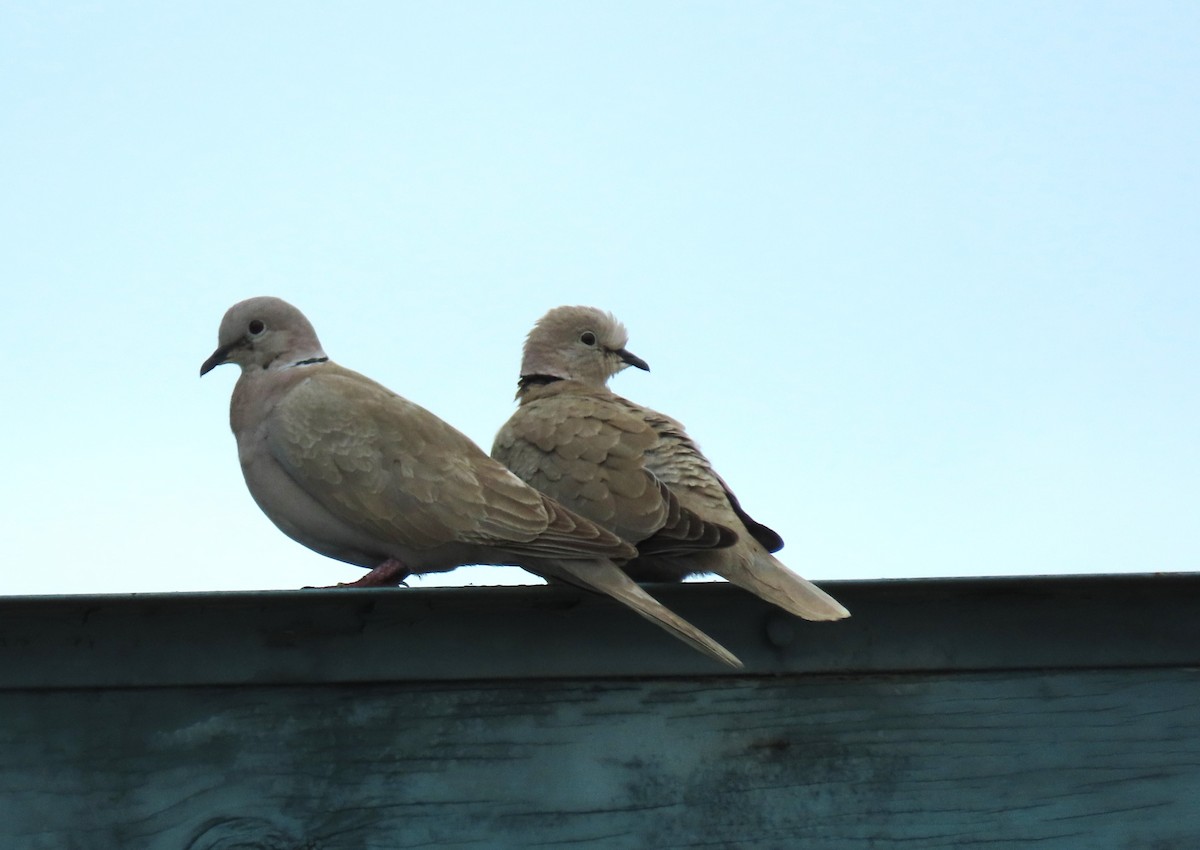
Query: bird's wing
(588, 452)
(383, 464)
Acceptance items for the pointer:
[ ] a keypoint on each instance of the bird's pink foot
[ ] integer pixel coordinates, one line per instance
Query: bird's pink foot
(390, 573)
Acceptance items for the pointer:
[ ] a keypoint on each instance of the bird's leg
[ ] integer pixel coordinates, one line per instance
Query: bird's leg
(390, 573)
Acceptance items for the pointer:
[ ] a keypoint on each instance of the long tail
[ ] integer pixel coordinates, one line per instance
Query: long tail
(607, 578)
(754, 569)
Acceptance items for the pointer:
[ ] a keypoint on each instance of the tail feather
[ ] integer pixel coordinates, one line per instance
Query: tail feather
(605, 577)
(764, 576)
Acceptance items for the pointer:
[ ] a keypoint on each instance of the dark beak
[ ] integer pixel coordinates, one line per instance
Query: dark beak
(632, 359)
(218, 357)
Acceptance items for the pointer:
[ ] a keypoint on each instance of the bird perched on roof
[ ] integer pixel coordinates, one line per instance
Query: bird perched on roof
(633, 470)
(351, 470)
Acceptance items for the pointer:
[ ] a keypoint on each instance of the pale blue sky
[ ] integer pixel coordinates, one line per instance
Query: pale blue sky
(922, 278)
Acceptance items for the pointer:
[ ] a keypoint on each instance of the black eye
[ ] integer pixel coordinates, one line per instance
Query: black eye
(256, 327)
(587, 338)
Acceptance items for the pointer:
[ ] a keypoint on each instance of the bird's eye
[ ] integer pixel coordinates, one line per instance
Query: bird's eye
(256, 327)
(587, 338)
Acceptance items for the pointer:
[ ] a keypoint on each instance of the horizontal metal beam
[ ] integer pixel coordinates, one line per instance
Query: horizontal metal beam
(463, 634)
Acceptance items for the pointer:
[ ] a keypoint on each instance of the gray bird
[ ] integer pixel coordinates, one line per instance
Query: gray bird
(633, 470)
(351, 470)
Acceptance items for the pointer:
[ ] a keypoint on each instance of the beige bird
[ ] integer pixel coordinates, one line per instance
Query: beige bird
(633, 470)
(351, 470)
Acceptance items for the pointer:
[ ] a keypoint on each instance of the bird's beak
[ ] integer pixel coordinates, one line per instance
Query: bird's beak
(631, 359)
(218, 357)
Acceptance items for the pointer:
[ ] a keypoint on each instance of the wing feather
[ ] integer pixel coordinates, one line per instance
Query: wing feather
(388, 466)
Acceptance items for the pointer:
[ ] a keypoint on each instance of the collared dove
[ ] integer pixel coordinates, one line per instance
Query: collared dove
(633, 470)
(351, 470)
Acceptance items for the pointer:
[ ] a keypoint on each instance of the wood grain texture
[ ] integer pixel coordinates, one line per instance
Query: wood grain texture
(1106, 759)
(915, 741)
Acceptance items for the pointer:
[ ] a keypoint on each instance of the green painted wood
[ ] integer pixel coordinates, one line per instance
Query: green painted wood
(1109, 759)
(1015, 713)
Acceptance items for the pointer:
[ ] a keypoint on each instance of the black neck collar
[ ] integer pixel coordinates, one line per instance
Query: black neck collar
(528, 381)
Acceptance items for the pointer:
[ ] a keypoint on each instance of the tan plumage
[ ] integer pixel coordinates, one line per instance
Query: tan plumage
(633, 470)
(351, 470)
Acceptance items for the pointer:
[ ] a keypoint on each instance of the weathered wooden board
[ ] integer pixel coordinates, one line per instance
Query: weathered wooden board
(1107, 759)
(1036, 712)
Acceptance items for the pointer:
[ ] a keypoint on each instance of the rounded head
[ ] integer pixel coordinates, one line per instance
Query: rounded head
(579, 344)
(264, 332)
